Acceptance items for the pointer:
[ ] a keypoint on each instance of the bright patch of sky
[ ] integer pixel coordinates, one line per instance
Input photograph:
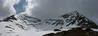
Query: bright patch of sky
(20, 7)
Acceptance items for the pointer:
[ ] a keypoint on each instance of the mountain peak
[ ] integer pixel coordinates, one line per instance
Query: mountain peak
(12, 17)
(78, 19)
(73, 13)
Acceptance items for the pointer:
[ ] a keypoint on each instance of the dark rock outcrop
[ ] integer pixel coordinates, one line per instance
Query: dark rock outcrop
(74, 32)
(10, 18)
(57, 30)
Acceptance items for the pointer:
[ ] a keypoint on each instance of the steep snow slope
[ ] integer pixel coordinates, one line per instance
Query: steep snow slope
(10, 29)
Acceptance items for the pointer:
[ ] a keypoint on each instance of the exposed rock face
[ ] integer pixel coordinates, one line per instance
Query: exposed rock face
(74, 32)
(10, 18)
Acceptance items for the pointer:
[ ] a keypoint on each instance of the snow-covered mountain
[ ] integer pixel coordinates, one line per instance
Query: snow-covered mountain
(67, 21)
(24, 22)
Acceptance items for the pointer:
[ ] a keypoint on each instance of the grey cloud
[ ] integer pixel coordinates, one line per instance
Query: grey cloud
(54, 8)
(6, 8)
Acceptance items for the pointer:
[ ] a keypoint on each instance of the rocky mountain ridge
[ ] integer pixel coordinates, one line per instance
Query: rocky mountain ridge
(64, 23)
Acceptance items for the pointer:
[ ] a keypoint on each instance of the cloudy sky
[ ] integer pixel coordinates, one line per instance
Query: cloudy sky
(49, 8)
